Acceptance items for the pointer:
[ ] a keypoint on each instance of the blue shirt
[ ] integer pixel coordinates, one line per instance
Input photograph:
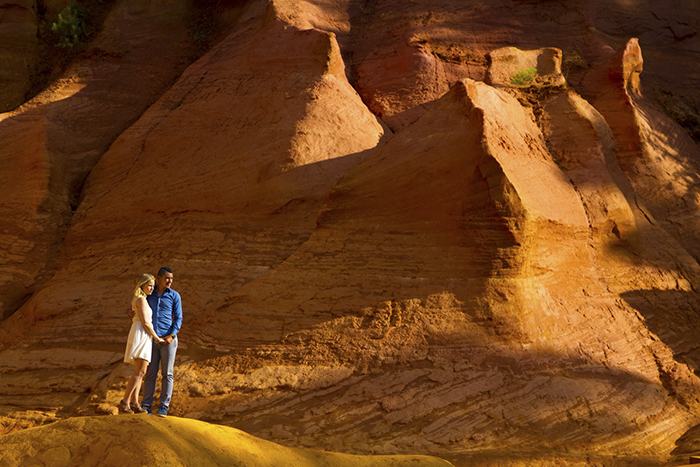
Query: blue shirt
(167, 312)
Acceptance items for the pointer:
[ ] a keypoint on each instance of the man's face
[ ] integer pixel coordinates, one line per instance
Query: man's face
(165, 281)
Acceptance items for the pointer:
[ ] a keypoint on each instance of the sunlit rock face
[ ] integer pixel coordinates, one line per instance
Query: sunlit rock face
(471, 297)
(387, 238)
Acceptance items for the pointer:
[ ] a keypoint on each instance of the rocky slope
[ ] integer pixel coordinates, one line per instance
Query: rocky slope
(138, 439)
(383, 244)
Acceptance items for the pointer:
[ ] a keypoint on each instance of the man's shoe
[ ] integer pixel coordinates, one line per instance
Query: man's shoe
(162, 412)
(136, 408)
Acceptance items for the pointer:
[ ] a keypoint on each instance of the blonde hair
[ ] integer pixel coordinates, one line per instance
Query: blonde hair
(143, 280)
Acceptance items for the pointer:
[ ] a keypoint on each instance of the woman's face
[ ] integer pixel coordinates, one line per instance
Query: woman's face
(148, 288)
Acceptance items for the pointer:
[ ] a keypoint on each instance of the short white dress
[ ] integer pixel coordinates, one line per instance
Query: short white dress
(139, 343)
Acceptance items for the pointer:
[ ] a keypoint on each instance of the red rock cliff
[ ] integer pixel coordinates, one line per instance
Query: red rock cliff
(385, 242)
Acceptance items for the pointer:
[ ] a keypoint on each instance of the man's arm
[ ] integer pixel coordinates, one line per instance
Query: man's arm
(177, 315)
(177, 320)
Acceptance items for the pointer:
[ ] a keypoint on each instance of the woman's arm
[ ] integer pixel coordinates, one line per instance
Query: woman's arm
(145, 316)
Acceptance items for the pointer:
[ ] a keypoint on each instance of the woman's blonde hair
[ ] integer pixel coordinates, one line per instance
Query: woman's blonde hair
(143, 280)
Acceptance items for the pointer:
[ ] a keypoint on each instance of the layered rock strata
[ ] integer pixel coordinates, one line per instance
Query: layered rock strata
(510, 275)
(248, 201)
(475, 330)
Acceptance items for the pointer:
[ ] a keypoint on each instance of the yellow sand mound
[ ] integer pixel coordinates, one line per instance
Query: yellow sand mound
(139, 440)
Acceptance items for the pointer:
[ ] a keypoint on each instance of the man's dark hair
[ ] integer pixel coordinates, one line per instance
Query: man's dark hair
(163, 270)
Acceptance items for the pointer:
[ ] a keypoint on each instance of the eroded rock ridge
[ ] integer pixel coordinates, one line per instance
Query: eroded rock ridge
(418, 238)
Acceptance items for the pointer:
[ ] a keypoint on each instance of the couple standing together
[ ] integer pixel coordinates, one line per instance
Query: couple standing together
(156, 312)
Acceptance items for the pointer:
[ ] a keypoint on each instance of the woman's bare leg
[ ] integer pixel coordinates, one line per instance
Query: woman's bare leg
(134, 384)
(139, 372)
(129, 388)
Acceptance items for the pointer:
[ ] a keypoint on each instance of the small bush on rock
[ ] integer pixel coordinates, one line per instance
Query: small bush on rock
(70, 26)
(522, 77)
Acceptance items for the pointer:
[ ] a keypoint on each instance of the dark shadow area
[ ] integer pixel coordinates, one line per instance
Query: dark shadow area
(688, 444)
(64, 36)
(209, 21)
(674, 317)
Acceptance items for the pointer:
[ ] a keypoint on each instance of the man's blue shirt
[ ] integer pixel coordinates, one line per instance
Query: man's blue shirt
(167, 312)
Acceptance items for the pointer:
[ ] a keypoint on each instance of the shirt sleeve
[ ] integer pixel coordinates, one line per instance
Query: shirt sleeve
(177, 315)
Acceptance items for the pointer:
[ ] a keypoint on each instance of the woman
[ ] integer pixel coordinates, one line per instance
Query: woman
(138, 346)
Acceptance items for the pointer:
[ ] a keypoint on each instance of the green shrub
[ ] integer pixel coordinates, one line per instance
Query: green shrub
(71, 25)
(522, 77)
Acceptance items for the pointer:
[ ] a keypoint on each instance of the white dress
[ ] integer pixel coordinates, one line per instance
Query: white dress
(139, 343)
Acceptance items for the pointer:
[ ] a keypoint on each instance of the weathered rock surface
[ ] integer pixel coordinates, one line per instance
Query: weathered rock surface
(278, 146)
(472, 192)
(141, 440)
(51, 143)
(251, 198)
(508, 278)
(19, 51)
(659, 158)
(406, 55)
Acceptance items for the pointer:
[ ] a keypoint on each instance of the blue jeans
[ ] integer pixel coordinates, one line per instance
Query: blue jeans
(163, 356)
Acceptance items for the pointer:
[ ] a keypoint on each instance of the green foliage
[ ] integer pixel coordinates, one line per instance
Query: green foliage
(522, 77)
(71, 25)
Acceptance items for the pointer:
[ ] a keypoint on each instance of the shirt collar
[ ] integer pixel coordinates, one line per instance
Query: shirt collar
(165, 292)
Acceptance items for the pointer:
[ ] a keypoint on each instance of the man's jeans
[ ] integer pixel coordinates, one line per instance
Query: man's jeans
(163, 356)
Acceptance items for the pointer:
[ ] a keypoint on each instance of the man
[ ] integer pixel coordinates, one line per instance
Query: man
(167, 320)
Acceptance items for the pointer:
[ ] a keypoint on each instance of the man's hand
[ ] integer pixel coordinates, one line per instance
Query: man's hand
(132, 313)
(168, 339)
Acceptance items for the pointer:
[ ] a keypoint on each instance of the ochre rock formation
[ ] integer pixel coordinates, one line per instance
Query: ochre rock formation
(464, 269)
(19, 51)
(51, 143)
(506, 63)
(251, 198)
(383, 244)
(659, 158)
(254, 196)
(143, 440)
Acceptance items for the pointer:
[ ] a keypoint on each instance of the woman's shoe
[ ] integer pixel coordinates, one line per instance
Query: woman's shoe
(124, 407)
(136, 408)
